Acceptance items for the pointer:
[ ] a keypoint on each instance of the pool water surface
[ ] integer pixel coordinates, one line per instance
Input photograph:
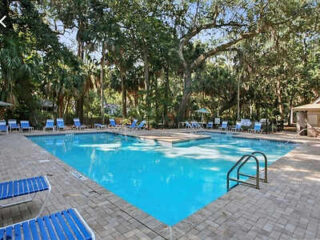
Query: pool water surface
(168, 182)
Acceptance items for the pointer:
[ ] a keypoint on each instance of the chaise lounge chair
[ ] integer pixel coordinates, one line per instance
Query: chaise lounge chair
(113, 123)
(67, 224)
(210, 125)
(25, 125)
(224, 125)
(188, 125)
(3, 126)
(217, 121)
(60, 124)
(49, 125)
(246, 122)
(13, 125)
(196, 125)
(11, 190)
(133, 124)
(257, 128)
(141, 125)
(238, 127)
(99, 126)
(77, 124)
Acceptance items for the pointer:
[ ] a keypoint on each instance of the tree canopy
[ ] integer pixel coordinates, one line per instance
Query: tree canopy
(159, 60)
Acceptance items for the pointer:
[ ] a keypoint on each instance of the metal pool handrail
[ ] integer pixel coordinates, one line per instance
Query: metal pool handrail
(265, 179)
(244, 159)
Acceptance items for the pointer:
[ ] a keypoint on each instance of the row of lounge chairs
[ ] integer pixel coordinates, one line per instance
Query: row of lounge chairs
(50, 125)
(13, 125)
(60, 124)
(245, 123)
(67, 224)
(133, 125)
(25, 125)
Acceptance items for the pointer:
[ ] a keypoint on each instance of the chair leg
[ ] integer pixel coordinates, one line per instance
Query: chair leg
(47, 197)
(44, 203)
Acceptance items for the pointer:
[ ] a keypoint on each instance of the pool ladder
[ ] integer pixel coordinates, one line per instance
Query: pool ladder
(240, 163)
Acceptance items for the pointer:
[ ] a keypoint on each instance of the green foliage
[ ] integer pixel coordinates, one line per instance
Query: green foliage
(162, 58)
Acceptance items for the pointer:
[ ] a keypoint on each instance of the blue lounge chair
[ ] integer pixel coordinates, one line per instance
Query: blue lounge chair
(3, 126)
(11, 190)
(77, 124)
(224, 125)
(25, 125)
(141, 125)
(210, 125)
(60, 124)
(13, 125)
(67, 224)
(195, 124)
(133, 124)
(49, 125)
(238, 127)
(113, 123)
(188, 125)
(257, 128)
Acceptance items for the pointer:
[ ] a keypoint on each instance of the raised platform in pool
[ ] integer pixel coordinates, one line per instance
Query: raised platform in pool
(175, 137)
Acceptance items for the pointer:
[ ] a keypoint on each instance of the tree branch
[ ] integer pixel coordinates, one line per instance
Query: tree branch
(222, 47)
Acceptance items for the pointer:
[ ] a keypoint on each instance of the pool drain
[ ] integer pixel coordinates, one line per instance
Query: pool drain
(78, 175)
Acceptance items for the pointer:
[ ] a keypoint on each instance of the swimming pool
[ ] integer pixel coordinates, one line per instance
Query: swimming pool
(168, 182)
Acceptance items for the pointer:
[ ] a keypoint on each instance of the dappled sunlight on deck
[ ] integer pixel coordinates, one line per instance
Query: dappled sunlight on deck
(287, 205)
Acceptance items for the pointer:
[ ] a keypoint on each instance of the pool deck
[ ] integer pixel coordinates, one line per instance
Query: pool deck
(285, 208)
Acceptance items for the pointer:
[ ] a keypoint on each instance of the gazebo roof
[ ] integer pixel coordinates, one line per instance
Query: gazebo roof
(308, 107)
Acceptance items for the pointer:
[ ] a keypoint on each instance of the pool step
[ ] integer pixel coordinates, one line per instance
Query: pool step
(240, 163)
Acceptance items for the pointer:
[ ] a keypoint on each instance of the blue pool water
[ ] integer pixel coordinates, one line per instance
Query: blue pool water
(168, 182)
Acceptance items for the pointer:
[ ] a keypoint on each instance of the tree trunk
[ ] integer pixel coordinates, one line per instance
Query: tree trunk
(79, 107)
(60, 105)
(66, 108)
(258, 110)
(279, 99)
(80, 54)
(124, 94)
(238, 98)
(80, 42)
(102, 100)
(156, 98)
(186, 95)
(166, 96)
(147, 84)
(136, 98)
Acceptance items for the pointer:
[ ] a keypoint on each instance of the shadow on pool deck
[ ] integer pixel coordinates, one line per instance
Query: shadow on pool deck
(285, 208)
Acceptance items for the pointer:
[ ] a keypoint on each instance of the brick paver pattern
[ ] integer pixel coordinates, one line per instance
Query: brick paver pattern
(288, 207)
